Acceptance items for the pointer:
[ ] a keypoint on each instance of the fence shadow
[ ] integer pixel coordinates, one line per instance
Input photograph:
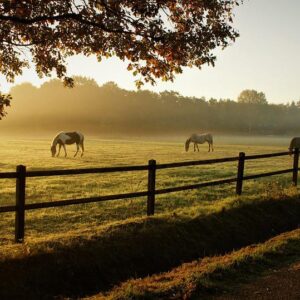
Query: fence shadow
(137, 249)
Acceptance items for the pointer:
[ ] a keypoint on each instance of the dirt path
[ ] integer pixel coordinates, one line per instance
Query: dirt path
(283, 284)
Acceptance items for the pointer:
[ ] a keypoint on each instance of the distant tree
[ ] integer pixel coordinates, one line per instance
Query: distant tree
(169, 96)
(156, 37)
(84, 81)
(253, 100)
(252, 97)
(110, 86)
(213, 101)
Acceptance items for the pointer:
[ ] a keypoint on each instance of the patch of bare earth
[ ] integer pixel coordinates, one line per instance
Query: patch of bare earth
(282, 283)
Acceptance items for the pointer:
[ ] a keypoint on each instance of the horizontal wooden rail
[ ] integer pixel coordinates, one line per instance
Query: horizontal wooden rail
(249, 157)
(4, 209)
(5, 175)
(85, 171)
(194, 186)
(267, 174)
(196, 163)
(75, 201)
(84, 200)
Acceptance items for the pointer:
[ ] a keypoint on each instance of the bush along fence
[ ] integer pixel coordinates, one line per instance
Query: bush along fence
(21, 174)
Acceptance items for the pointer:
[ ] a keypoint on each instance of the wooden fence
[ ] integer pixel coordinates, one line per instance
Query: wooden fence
(21, 174)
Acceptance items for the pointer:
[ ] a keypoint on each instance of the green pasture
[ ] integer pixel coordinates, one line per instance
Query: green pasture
(62, 221)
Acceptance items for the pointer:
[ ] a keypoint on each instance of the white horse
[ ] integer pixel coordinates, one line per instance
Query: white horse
(67, 138)
(199, 139)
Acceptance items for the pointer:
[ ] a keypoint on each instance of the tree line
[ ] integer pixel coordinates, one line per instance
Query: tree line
(109, 110)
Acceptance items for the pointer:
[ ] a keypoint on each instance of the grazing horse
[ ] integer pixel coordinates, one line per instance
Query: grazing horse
(67, 138)
(199, 139)
(295, 143)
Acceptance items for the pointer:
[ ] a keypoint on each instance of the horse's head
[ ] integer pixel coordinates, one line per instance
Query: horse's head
(53, 150)
(187, 145)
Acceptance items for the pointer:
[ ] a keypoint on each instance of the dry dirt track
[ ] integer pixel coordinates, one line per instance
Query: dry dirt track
(283, 284)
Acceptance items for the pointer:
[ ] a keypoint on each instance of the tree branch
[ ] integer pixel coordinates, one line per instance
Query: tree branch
(70, 16)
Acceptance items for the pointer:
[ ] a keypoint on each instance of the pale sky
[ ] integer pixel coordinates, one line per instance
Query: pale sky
(266, 57)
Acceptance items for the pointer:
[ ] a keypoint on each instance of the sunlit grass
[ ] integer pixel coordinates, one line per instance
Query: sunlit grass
(35, 155)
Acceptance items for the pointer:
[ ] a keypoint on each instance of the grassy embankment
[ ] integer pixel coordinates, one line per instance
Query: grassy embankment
(203, 278)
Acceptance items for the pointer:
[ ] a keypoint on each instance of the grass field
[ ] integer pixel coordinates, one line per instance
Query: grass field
(35, 154)
(97, 246)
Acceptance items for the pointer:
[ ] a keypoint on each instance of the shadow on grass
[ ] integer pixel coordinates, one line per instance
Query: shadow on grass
(137, 249)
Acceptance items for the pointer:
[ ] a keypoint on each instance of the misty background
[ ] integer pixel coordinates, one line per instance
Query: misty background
(109, 110)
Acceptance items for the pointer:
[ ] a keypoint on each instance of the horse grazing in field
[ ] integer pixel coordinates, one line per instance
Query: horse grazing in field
(295, 143)
(67, 138)
(199, 139)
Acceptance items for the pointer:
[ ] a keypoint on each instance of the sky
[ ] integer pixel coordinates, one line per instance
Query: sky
(266, 57)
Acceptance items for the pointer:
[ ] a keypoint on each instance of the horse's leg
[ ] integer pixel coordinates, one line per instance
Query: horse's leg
(65, 149)
(197, 147)
(59, 147)
(208, 147)
(77, 149)
(82, 149)
(212, 146)
(194, 147)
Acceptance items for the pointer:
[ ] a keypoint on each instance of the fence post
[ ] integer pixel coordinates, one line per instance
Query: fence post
(151, 187)
(20, 204)
(295, 166)
(240, 173)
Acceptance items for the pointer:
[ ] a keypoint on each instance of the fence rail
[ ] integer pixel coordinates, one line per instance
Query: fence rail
(21, 174)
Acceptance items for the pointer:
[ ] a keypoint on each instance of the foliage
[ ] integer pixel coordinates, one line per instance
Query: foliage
(157, 37)
(4, 102)
(252, 97)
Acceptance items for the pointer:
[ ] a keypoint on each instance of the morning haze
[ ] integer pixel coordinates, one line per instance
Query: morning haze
(110, 111)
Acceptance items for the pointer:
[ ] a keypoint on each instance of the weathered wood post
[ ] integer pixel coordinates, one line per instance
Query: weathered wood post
(295, 166)
(151, 187)
(20, 204)
(240, 173)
